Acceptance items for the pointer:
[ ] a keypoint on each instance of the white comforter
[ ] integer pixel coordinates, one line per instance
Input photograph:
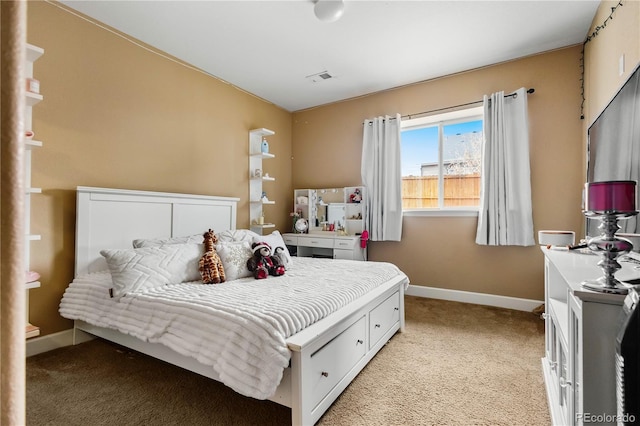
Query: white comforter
(238, 327)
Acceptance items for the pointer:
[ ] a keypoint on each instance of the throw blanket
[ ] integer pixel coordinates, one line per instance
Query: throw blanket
(238, 327)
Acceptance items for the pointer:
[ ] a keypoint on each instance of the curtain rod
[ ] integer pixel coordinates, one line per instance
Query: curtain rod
(510, 95)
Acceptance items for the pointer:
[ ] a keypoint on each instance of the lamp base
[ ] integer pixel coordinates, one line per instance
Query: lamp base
(609, 246)
(602, 285)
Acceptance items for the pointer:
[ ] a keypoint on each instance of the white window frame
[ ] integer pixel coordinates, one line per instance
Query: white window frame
(441, 120)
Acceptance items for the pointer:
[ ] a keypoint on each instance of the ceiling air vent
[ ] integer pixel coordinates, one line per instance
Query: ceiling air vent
(321, 76)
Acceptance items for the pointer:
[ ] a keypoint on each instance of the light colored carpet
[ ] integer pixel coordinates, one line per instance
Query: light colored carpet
(456, 364)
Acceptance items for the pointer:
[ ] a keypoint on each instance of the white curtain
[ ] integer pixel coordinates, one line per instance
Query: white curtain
(382, 177)
(505, 216)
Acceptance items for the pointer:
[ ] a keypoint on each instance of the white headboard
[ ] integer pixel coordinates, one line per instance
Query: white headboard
(113, 218)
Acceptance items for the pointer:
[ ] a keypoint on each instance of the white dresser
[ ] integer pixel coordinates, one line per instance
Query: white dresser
(581, 328)
(325, 244)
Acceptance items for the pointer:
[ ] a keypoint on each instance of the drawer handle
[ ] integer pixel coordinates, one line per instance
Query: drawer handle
(325, 374)
(564, 382)
(396, 309)
(377, 326)
(359, 342)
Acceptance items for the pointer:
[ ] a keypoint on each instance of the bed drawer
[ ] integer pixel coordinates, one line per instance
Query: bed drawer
(315, 242)
(331, 363)
(383, 317)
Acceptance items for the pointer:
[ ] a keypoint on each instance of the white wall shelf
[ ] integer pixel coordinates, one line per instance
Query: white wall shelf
(30, 144)
(257, 179)
(32, 284)
(31, 99)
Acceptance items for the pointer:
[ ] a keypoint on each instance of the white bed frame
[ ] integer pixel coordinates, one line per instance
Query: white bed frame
(325, 357)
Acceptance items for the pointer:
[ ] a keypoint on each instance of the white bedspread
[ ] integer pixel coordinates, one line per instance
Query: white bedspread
(238, 327)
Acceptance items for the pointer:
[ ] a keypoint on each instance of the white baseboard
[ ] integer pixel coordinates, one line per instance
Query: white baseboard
(476, 298)
(38, 345)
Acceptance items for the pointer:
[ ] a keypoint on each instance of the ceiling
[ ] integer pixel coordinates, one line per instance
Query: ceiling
(269, 48)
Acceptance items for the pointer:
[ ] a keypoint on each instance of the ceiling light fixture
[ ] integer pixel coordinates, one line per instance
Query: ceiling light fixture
(328, 10)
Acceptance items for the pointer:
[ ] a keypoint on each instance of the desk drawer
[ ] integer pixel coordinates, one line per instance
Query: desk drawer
(308, 241)
(290, 240)
(383, 317)
(331, 363)
(345, 243)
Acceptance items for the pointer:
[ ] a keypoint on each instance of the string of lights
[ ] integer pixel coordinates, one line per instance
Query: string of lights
(590, 37)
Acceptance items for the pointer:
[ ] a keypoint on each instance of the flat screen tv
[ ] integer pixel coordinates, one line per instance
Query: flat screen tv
(613, 146)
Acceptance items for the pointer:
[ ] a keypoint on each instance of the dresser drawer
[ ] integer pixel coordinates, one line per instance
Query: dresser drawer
(290, 240)
(383, 317)
(308, 241)
(345, 243)
(331, 363)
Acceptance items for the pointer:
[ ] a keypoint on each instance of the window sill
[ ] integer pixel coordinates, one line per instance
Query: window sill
(441, 212)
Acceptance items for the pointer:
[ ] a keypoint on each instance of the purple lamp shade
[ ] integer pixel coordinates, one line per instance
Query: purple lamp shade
(610, 196)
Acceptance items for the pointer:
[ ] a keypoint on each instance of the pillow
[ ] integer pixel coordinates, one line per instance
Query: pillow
(275, 240)
(157, 242)
(234, 256)
(236, 235)
(150, 267)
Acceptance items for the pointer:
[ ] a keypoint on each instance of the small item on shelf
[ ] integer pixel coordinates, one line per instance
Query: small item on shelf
(31, 276)
(261, 219)
(33, 85)
(28, 134)
(356, 197)
(264, 147)
(257, 173)
(267, 175)
(556, 238)
(264, 198)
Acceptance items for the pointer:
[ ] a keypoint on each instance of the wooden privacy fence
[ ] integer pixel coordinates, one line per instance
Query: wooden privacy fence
(422, 191)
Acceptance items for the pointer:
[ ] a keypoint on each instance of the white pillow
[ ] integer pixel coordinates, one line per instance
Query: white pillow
(150, 267)
(234, 256)
(157, 242)
(236, 235)
(275, 240)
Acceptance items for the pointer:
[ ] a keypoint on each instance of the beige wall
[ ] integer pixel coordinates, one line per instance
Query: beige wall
(441, 252)
(117, 115)
(620, 37)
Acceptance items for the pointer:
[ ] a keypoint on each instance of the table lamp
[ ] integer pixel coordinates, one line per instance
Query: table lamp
(609, 201)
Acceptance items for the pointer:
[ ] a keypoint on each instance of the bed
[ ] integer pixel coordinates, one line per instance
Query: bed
(314, 351)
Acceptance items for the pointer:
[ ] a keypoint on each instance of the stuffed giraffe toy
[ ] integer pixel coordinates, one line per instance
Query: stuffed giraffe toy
(210, 266)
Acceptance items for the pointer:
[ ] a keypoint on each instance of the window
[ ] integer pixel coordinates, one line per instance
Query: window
(441, 161)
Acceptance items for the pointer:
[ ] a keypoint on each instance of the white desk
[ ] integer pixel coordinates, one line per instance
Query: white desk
(326, 244)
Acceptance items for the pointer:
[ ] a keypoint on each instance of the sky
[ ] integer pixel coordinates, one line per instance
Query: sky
(421, 145)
